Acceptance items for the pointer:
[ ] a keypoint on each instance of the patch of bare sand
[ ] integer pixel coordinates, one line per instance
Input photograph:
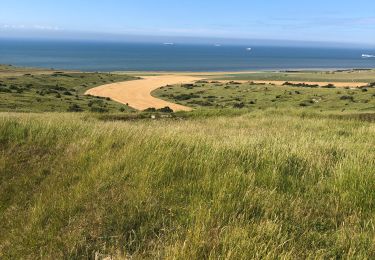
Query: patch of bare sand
(137, 93)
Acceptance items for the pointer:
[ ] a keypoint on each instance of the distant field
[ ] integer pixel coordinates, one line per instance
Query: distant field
(36, 91)
(324, 76)
(9, 70)
(262, 96)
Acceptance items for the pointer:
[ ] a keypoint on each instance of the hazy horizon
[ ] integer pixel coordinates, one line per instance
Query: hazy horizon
(286, 23)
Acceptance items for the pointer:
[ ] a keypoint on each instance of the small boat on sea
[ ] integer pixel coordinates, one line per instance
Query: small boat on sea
(367, 56)
(168, 43)
(248, 49)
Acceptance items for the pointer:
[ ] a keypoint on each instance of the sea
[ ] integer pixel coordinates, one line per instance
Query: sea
(107, 56)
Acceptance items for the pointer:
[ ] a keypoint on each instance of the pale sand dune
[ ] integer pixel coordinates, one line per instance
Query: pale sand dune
(137, 93)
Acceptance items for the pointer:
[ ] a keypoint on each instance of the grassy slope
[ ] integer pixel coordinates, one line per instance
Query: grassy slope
(33, 92)
(321, 76)
(265, 184)
(265, 96)
(9, 70)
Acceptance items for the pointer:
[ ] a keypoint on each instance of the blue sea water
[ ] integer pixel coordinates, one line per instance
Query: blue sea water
(104, 56)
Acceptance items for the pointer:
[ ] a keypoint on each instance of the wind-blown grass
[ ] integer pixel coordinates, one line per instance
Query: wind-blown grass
(252, 185)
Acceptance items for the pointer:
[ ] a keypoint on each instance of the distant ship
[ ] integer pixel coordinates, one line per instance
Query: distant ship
(168, 43)
(368, 56)
(217, 45)
(248, 49)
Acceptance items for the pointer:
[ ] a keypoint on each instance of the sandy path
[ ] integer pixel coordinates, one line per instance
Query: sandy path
(137, 93)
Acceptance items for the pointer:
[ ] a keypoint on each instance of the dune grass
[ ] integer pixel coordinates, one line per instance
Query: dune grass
(274, 184)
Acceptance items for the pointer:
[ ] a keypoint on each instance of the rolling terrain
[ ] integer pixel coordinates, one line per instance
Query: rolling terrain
(255, 170)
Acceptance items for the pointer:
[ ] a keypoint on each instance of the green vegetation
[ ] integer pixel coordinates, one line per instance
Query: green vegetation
(320, 76)
(56, 91)
(9, 70)
(272, 172)
(214, 184)
(262, 96)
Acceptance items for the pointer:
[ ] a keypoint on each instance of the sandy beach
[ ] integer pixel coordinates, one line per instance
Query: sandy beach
(137, 93)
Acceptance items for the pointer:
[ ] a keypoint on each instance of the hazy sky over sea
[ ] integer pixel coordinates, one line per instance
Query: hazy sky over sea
(344, 21)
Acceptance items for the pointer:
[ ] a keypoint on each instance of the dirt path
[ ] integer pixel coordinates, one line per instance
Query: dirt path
(137, 93)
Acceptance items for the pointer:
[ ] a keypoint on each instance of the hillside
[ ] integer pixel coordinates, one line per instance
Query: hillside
(202, 185)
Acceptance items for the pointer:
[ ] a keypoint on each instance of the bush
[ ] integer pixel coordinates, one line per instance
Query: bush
(186, 96)
(188, 86)
(351, 98)
(150, 109)
(303, 85)
(165, 110)
(75, 108)
(239, 105)
(329, 86)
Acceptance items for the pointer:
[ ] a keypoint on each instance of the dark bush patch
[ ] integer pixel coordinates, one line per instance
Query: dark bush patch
(150, 109)
(75, 108)
(303, 85)
(165, 110)
(188, 86)
(239, 105)
(329, 86)
(345, 97)
(185, 96)
(202, 103)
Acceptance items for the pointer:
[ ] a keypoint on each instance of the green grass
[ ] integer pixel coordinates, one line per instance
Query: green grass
(262, 172)
(56, 92)
(320, 76)
(215, 184)
(257, 96)
(9, 70)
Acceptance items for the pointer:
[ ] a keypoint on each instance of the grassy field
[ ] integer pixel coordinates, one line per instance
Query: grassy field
(322, 76)
(261, 96)
(233, 185)
(32, 91)
(255, 171)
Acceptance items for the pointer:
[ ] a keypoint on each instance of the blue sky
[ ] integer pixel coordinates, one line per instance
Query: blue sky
(346, 21)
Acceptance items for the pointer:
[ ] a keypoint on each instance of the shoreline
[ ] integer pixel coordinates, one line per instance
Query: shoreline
(287, 70)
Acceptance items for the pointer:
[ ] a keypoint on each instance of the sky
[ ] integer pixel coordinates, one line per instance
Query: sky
(339, 21)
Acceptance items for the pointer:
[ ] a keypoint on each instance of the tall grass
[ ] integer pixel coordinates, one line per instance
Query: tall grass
(256, 185)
